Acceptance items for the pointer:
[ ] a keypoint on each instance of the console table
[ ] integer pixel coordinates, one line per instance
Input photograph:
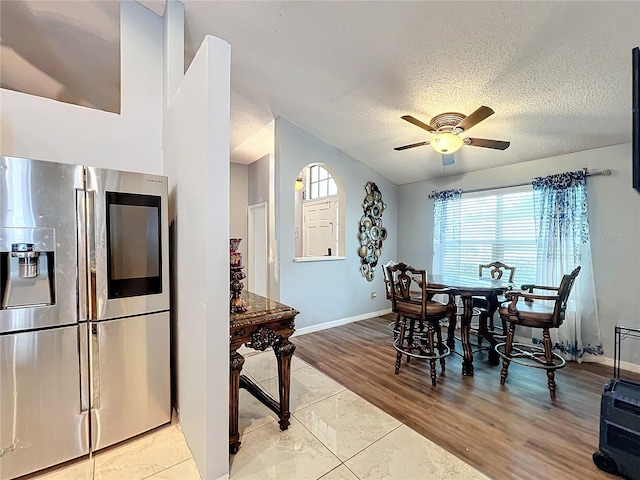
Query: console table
(266, 323)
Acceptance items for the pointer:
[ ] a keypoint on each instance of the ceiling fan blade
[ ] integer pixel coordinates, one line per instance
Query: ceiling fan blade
(419, 144)
(447, 159)
(418, 123)
(483, 142)
(475, 118)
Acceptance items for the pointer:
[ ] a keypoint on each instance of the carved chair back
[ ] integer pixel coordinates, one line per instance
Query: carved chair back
(564, 290)
(497, 270)
(562, 299)
(402, 278)
(388, 279)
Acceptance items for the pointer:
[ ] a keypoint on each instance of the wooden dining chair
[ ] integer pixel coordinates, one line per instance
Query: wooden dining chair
(411, 301)
(497, 271)
(388, 288)
(531, 312)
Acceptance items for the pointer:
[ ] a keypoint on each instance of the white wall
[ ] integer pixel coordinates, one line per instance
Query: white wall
(35, 127)
(238, 206)
(328, 291)
(614, 218)
(197, 161)
(259, 180)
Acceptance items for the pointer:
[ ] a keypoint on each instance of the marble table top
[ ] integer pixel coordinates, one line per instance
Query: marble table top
(259, 310)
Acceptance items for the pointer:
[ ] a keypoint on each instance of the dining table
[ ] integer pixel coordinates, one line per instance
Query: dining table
(466, 287)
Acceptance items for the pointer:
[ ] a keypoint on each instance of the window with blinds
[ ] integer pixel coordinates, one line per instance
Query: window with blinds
(492, 226)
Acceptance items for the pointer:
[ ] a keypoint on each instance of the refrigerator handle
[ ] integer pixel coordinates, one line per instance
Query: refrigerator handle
(81, 222)
(85, 221)
(94, 365)
(91, 255)
(84, 367)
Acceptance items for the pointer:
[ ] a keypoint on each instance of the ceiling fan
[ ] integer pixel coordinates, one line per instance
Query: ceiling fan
(447, 128)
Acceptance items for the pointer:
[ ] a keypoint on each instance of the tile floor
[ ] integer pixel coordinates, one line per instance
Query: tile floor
(334, 434)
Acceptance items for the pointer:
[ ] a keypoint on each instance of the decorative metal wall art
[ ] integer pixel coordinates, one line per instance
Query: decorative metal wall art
(371, 233)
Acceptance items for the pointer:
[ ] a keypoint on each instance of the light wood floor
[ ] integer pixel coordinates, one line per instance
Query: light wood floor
(508, 432)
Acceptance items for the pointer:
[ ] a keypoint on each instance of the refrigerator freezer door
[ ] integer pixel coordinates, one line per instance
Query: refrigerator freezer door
(130, 381)
(127, 231)
(38, 213)
(41, 418)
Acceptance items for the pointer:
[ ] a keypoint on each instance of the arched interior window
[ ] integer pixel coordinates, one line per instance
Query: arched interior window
(319, 210)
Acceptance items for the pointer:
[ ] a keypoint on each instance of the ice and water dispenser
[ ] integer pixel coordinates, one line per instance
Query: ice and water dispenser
(27, 267)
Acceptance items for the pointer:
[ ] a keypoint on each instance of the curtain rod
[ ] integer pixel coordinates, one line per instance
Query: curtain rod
(592, 173)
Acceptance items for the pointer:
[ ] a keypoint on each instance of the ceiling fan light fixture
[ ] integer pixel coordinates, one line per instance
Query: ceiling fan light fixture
(446, 142)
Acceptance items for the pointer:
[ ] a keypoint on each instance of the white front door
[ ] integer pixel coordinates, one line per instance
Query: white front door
(319, 230)
(257, 250)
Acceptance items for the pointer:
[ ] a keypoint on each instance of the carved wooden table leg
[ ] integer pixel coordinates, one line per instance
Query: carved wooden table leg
(235, 367)
(485, 318)
(284, 352)
(451, 331)
(465, 325)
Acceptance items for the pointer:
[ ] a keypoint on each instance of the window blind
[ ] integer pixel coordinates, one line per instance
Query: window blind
(491, 226)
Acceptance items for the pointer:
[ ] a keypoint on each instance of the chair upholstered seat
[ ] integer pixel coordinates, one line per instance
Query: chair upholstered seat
(414, 308)
(532, 314)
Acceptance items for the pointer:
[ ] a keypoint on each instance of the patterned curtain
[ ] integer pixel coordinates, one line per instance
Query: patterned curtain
(563, 243)
(446, 225)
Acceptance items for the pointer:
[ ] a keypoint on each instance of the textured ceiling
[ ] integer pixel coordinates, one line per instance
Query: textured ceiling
(557, 74)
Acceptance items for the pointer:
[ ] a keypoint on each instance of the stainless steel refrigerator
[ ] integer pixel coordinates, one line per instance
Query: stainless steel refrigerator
(84, 310)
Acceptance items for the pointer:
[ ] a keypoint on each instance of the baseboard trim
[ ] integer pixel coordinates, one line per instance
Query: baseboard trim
(337, 323)
(624, 366)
